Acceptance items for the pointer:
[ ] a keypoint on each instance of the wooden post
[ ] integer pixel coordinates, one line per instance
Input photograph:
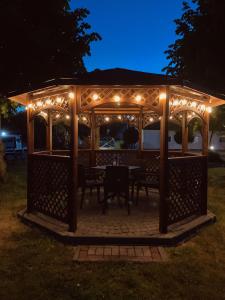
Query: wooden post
(93, 138)
(184, 133)
(205, 151)
(30, 150)
(74, 158)
(163, 209)
(205, 134)
(49, 133)
(30, 132)
(140, 127)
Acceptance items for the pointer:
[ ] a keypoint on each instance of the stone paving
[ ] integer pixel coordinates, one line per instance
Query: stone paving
(119, 253)
(143, 220)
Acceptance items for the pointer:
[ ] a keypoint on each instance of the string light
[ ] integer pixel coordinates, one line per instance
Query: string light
(138, 98)
(107, 119)
(117, 98)
(95, 97)
(175, 102)
(151, 119)
(57, 116)
(71, 95)
(193, 104)
(67, 117)
(119, 117)
(84, 119)
(59, 100)
(184, 102)
(162, 96)
(209, 109)
(48, 102)
(171, 117)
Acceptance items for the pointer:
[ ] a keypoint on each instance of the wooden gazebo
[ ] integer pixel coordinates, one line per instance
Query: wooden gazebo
(100, 97)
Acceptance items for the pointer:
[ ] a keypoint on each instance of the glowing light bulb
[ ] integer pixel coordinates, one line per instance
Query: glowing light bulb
(71, 95)
(67, 117)
(184, 102)
(39, 103)
(138, 98)
(193, 104)
(171, 117)
(203, 107)
(48, 102)
(107, 119)
(84, 119)
(95, 97)
(162, 96)
(117, 98)
(57, 116)
(58, 100)
(175, 102)
(209, 109)
(151, 119)
(119, 117)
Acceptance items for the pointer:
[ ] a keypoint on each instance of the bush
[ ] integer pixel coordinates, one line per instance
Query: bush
(2, 163)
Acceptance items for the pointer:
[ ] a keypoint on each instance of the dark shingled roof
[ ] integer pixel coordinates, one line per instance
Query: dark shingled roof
(116, 76)
(119, 76)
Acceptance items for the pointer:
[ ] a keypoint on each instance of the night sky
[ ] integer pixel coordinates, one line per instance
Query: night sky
(135, 32)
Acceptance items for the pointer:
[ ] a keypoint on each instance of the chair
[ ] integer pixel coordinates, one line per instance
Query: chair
(116, 183)
(88, 178)
(147, 180)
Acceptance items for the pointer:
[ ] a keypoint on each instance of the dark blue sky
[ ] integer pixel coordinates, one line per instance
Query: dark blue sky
(135, 33)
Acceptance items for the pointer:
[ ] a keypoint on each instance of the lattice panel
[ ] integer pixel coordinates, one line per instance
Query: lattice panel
(151, 161)
(150, 118)
(179, 103)
(149, 96)
(85, 119)
(49, 185)
(185, 188)
(107, 157)
(55, 103)
(131, 119)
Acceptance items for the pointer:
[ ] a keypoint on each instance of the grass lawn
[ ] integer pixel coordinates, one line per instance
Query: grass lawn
(35, 266)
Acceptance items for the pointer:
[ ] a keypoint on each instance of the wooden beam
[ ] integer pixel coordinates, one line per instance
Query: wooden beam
(74, 158)
(184, 133)
(163, 209)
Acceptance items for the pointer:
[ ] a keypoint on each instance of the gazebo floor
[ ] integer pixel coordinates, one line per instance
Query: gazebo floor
(141, 227)
(142, 221)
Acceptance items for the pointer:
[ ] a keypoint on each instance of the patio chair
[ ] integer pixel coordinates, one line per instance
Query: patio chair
(116, 183)
(88, 178)
(146, 180)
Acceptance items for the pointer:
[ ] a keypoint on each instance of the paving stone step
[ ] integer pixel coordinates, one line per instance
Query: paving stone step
(94, 253)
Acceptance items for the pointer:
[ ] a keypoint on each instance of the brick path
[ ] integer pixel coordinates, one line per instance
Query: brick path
(119, 253)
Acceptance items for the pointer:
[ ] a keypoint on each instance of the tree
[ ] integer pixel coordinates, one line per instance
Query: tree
(198, 53)
(41, 40)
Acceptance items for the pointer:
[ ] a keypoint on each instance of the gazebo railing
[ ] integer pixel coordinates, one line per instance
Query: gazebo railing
(49, 185)
(187, 188)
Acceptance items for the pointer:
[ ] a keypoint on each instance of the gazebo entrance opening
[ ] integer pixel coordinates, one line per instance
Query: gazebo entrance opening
(53, 182)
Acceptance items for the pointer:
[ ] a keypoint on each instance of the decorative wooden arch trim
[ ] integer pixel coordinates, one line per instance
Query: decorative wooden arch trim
(149, 97)
(131, 119)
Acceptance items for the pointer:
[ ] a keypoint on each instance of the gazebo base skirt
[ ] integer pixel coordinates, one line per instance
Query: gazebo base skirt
(176, 235)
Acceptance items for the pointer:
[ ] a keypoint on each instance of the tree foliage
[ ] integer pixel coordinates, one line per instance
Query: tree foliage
(40, 40)
(198, 53)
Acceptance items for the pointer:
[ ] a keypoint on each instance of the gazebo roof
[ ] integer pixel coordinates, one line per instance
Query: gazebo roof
(116, 77)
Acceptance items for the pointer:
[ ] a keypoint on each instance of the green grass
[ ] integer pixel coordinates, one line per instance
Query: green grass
(35, 266)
